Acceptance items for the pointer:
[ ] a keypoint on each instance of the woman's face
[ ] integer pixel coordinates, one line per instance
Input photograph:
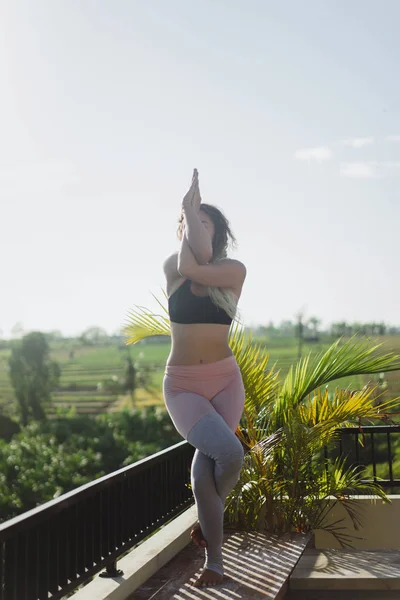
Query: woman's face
(208, 223)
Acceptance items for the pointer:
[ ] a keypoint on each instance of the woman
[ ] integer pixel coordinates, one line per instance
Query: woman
(203, 386)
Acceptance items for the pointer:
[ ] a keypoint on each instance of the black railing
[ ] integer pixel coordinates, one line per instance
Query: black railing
(54, 548)
(369, 446)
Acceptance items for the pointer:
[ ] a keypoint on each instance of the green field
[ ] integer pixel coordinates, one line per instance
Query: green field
(90, 365)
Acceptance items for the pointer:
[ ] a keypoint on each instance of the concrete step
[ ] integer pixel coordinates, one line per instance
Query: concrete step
(341, 595)
(347, 570)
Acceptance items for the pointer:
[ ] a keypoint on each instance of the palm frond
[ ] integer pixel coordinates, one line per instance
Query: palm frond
(261, 385)
(163, 306)
(344, 407)
(341, 484)
(141, 323)
(352, 358)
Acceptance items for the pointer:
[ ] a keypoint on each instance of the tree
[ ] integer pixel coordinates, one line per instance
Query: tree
(130, 378)
(382, 329)
(314, 321)
(54, 336)
(138, 375)
(49, 458)
(287, 328)
(18, 330)
(33, 375)
(300, 333)
(94, 336)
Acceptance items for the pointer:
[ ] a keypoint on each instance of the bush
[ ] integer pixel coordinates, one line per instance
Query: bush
(49, 458)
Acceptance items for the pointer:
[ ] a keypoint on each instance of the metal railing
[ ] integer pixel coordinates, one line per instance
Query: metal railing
(367, 453)
(54, 548)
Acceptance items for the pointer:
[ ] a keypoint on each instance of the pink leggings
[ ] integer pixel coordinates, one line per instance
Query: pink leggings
(205, 403)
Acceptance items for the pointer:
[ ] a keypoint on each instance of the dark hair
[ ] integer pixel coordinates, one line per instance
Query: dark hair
(223, 233)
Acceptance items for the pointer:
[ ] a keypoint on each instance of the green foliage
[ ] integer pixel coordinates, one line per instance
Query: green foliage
(47, 459)
(33, 376)
(94, 336)
(35, 467)
(139, 375)
(284, 485)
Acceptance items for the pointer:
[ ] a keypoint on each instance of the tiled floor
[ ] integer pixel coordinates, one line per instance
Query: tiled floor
(256, 567)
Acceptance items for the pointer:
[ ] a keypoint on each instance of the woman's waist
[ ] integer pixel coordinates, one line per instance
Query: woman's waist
(202, 336)
(216, 368)
(198, 344)
(195, 353)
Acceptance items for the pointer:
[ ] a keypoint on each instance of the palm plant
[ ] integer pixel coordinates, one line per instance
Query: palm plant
(286, 483)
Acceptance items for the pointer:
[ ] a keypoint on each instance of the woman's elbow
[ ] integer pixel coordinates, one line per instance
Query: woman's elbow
(204, 258)
(181, 268)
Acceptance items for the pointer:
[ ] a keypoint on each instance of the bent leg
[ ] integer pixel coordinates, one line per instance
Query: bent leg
(222, 450)
(208, 502)
(208, 422)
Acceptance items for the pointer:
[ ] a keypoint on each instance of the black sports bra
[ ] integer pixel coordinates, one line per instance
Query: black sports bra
(186, 307)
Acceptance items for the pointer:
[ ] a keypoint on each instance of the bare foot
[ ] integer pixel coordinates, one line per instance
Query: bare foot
(208, 578)
(197, 536)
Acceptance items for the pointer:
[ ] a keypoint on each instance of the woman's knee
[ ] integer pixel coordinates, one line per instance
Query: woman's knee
(233, 454)
(240, 451)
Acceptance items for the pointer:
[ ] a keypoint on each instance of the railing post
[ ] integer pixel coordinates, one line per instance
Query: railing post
(111, 570)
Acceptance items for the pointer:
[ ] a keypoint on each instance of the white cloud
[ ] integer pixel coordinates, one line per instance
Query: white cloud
(360, 170)
(367, 170)
(319, 154)
(358, 142)
(372, 169)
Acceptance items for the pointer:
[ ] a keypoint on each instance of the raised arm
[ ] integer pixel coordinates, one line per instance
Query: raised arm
(226, 272)
(196, 234)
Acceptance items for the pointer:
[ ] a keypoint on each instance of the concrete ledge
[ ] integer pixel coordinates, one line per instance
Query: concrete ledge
(142, 562)
(347, 570)
(380, 529)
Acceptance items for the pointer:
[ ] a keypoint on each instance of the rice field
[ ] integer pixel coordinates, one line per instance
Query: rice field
(81, 375)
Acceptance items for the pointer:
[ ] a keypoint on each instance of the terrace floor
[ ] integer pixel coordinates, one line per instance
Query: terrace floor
(256, 566)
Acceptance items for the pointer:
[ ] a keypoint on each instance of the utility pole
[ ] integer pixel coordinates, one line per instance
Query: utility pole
(300, 334)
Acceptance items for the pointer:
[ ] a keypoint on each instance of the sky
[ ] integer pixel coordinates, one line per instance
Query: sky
(289, 110)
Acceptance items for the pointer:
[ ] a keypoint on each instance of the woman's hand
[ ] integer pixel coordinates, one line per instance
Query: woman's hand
(192, 198)
(199, 239)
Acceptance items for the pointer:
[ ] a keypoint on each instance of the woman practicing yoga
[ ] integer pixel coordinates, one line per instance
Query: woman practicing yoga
(203, 386)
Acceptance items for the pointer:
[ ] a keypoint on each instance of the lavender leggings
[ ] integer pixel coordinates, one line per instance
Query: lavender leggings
(205, 403)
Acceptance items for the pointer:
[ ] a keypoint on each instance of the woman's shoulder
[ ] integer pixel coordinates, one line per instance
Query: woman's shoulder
(171, 261)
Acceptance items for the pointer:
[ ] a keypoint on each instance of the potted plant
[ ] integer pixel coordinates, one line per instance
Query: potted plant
(286, 483)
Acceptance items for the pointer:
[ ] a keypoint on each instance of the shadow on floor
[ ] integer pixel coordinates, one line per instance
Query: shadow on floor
(256, 567)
